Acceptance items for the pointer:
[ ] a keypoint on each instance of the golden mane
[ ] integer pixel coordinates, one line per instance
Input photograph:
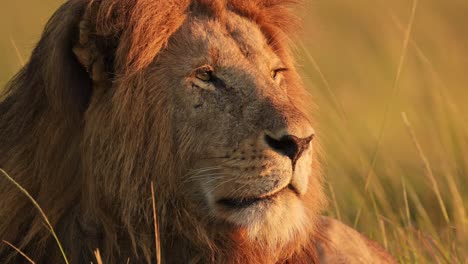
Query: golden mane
(143, 34)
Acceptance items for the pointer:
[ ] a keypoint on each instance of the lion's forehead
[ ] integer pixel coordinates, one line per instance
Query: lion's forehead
(234, 36)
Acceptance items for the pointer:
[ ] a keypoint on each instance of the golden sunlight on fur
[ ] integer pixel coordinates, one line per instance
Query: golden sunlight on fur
(200, 97)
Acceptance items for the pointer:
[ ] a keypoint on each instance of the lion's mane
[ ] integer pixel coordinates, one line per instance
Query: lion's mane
(95, 190)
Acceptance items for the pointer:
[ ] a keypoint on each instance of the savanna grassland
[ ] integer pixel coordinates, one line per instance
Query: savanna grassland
(390, 81)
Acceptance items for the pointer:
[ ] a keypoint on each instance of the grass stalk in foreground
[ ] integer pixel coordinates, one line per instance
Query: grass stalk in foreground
(46, 220)
(157, 241)
(97, 254)
(19, 251)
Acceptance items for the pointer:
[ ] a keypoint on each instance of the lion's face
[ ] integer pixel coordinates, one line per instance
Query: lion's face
(247, 146)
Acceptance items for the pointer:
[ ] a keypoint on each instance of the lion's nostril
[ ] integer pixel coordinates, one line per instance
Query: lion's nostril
(286, 145)
(290, 146)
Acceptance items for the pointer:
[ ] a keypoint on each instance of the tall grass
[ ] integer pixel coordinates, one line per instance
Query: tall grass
(400, 179)
(415, 200)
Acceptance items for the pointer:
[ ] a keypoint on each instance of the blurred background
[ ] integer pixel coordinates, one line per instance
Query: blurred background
(390, 81)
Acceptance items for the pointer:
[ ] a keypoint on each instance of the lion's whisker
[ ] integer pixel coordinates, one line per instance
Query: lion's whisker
(204, 169)
(200, 170)
(200, 174)
(228, 179)
(203, 176)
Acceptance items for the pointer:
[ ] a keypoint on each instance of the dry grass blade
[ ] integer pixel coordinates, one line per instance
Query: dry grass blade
(18, 54)
(395, 88)
(356, 219)
(19, 251)
(396, 84)
(384, 233)
(157, 241)
(405, 198)
(335, 203)
(46, 220)
(325, 81)
(427, 167)
(98, 256)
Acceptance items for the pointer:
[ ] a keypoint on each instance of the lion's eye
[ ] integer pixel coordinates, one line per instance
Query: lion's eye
(204, 74)
(274, 73)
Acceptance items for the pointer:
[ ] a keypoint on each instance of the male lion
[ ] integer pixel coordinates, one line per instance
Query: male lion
(200, 98)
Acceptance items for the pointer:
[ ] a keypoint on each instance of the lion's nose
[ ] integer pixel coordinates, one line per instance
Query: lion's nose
(289, 145)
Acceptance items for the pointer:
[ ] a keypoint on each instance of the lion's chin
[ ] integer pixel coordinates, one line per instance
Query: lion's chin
(275, 219)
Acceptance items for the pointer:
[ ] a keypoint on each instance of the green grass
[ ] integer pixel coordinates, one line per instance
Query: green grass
(401, 179)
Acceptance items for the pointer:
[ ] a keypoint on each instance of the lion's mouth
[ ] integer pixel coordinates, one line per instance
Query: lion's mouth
(245, 202)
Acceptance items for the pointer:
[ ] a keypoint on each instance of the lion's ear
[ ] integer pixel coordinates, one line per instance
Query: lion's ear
(53, 73)
(121, 38)
(95, 53)
(88, 55)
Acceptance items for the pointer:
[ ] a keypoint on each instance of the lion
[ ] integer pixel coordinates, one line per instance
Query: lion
(200, 98)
